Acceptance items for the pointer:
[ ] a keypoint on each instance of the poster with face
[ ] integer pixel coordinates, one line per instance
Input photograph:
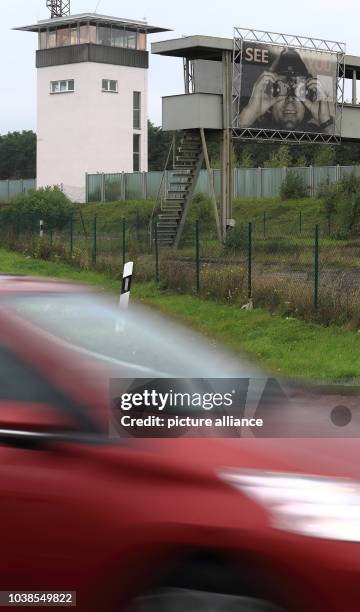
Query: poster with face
(288, 89)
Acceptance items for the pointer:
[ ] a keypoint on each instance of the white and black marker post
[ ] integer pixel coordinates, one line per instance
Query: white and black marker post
(126, 285)
(41, 228)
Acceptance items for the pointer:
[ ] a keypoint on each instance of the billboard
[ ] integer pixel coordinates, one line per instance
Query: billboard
(287, 89)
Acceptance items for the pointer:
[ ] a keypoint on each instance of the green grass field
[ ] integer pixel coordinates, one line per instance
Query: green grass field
(284, 345)
(281, 217)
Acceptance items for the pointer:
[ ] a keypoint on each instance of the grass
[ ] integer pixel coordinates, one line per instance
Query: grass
(111, 214)
(284, 345)
(14, 263)
(281, 216)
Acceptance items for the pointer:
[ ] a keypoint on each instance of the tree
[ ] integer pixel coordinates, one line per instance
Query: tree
(260, 152)
(301, 161)
(159, 144)
(280, 158)
(324, 156)
(18, 155)
(246, 160)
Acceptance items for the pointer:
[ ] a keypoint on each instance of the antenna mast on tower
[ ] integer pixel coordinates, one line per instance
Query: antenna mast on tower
(58, 8)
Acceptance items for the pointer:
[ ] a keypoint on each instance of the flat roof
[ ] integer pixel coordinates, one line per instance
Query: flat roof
(211, 48)
(194, 47)
(58, 21)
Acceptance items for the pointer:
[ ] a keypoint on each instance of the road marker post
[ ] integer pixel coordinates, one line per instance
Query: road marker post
(126, 285)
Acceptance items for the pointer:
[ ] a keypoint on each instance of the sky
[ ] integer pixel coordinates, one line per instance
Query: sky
(317, 18)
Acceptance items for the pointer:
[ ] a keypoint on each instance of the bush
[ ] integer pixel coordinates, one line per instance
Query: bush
(280, 158)
(293, 187)
(343, 198)
(349, 184)
(49, 204)
(236, 237)
(351, 212)
(329, 194)
(201, 209)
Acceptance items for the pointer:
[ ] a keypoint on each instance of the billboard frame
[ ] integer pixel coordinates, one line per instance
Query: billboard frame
(242, 35)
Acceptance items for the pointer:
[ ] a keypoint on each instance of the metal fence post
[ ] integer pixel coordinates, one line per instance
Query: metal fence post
(338, 173)
(124, 240)
(95, 241)
(197, 255)
(316, 268)
(144, 185)
(300, 222)
(103, 190)
(71, 236)
(124, 185)
(157, 270)
(312, 183)
(250, 237)
(258, 183)
(83, 224)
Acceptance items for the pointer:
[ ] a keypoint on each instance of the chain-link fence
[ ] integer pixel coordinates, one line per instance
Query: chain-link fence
(297, 269)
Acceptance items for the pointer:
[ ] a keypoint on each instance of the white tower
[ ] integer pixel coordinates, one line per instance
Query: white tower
(92, 98)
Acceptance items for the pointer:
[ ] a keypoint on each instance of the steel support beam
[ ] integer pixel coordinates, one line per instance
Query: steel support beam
(354, 88)
(189, 76)
(226, 145)
(211, 182)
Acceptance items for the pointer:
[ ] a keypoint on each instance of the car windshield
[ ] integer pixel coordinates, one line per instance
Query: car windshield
(136, 338)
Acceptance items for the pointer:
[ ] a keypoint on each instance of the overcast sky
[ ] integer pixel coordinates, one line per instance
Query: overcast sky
(318, 18)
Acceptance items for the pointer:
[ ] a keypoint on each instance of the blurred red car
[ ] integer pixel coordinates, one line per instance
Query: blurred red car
(180, 525)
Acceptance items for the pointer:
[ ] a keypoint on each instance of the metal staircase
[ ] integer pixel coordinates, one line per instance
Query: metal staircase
(189, 158)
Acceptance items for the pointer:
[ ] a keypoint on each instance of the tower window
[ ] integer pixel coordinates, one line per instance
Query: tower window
(74, 34)
(104, 35)
(110, 86)
(52, 38)
(57, 87)
(43, 39)
(63, 37)
(136, 152)
(137, 110)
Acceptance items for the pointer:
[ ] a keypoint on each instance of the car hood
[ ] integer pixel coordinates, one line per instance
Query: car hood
(315, 457)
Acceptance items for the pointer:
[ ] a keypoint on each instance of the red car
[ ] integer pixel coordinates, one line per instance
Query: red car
(181, 525)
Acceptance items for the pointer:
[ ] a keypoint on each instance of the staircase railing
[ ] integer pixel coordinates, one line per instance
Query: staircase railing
(160, 191)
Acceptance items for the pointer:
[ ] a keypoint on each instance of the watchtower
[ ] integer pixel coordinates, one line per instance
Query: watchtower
(92, 96)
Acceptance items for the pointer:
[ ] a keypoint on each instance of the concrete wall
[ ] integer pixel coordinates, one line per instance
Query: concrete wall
(87, 131)
(191, 111)
(208, 77)
(350, 125)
